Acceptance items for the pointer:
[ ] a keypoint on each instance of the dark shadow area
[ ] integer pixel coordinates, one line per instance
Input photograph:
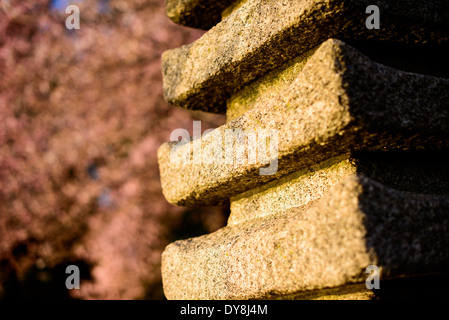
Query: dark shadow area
(406, 233)
(432, 287)
(43, 283)
(200, 221)
(424, 172)
(428, 59)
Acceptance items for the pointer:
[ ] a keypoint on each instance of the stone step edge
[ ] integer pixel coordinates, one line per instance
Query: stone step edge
(357, 291)
(418, 172)
(328, 244)
(260, 36)
(340, 102)
(200, 14)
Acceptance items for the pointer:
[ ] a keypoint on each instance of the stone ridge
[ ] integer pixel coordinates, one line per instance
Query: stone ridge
(340, 102)
(326, 244)
(201, 14)
(356, 291)
(204, 14)
(260, 36)
(419, 172)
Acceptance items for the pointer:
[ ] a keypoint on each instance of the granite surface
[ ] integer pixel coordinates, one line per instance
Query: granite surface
(327, 243)
(260, 36)
(419, 172)
(340, 102)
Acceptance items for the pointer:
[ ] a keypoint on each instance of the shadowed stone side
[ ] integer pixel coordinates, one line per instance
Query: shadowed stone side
(340, 102)
(419, 172)
(260, 36)
(420, 59)
(325, 244)
(202, 14)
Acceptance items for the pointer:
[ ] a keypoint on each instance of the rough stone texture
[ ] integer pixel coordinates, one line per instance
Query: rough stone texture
(348, 292)
(423, 59)
(325, 244)
(266, 88)
(340, 102)
(262, 35)
(202, 14)
(422, 172)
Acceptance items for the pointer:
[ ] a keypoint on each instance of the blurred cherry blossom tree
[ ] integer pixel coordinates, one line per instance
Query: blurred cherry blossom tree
(82, 117)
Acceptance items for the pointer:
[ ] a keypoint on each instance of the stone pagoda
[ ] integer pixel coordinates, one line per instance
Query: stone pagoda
(334, 158)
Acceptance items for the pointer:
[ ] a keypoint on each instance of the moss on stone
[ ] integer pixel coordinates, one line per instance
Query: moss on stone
(267, 87)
